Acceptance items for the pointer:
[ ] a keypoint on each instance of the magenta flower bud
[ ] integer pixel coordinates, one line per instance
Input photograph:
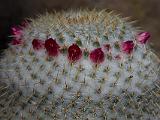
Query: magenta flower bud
(97, 56)
(127, 47)
(143, 37)
(16, 30)
(37, 44)
(74, 53)
(52, 47)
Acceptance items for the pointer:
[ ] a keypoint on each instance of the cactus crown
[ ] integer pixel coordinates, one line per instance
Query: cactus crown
(88, 58)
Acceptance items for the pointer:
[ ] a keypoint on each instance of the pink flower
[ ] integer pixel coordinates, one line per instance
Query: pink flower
(37, 44)
(52, 47)
(97, 56)
(16, 42)
(127, 47)
(143, 37)
(74, 53)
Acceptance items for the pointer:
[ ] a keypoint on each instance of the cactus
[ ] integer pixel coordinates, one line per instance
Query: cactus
(79, 64)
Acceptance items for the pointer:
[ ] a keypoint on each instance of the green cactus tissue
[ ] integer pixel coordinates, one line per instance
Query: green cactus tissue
(79, 64)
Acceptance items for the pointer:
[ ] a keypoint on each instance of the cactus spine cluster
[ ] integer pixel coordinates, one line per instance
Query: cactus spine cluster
(79, 64)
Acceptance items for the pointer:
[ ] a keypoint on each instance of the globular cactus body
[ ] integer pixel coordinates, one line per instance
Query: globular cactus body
(79, 65)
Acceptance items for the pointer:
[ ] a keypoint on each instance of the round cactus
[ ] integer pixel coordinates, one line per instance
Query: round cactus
(79, 65)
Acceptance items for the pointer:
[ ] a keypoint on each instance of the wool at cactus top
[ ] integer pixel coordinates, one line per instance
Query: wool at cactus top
(88, 53)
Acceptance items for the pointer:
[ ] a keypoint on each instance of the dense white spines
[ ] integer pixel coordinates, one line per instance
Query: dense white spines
(55, 87)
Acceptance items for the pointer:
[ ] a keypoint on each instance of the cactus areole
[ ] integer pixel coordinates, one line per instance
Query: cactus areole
(79, 64)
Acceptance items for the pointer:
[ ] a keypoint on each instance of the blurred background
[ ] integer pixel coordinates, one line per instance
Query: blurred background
(147, 12)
